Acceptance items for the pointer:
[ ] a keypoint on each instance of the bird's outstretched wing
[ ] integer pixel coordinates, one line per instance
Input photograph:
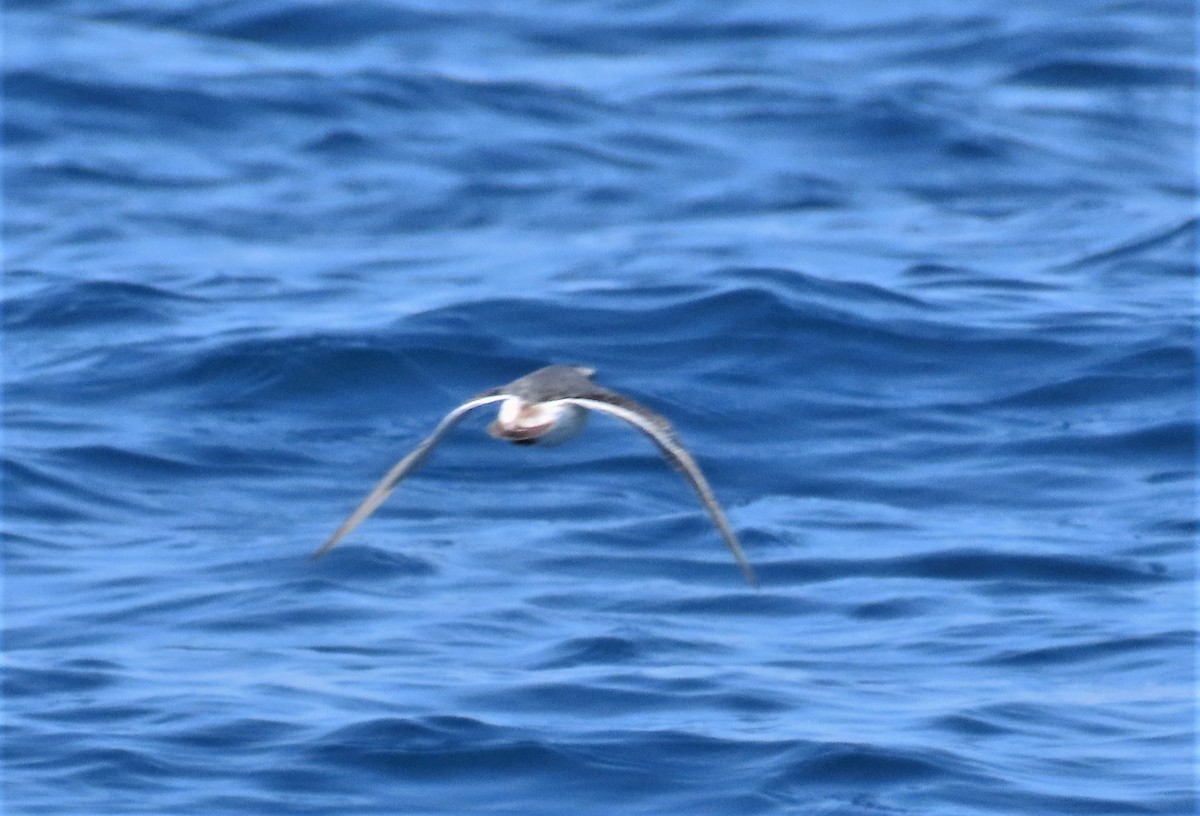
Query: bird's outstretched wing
(404, 467)
(663, 435)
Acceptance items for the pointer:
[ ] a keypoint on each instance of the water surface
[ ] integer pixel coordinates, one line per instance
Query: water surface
(915, 283)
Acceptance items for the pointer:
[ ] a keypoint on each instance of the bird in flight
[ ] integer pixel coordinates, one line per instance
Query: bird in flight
(549, 407)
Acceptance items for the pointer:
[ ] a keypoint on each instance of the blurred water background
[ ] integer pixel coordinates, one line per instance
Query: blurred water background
(914, 280)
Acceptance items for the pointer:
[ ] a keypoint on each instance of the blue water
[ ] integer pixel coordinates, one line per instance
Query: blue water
(914, 280)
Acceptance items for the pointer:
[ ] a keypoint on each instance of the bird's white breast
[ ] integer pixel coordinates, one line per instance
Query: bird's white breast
(567, 424)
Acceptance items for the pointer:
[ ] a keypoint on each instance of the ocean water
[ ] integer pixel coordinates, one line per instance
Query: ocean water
(915, 281)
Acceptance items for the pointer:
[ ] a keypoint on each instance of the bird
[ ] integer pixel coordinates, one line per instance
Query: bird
(546, 408)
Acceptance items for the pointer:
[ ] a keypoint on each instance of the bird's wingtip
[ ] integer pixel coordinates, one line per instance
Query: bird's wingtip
(319, 552)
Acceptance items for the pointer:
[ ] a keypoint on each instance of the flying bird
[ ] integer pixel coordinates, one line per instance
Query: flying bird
(548, 407)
